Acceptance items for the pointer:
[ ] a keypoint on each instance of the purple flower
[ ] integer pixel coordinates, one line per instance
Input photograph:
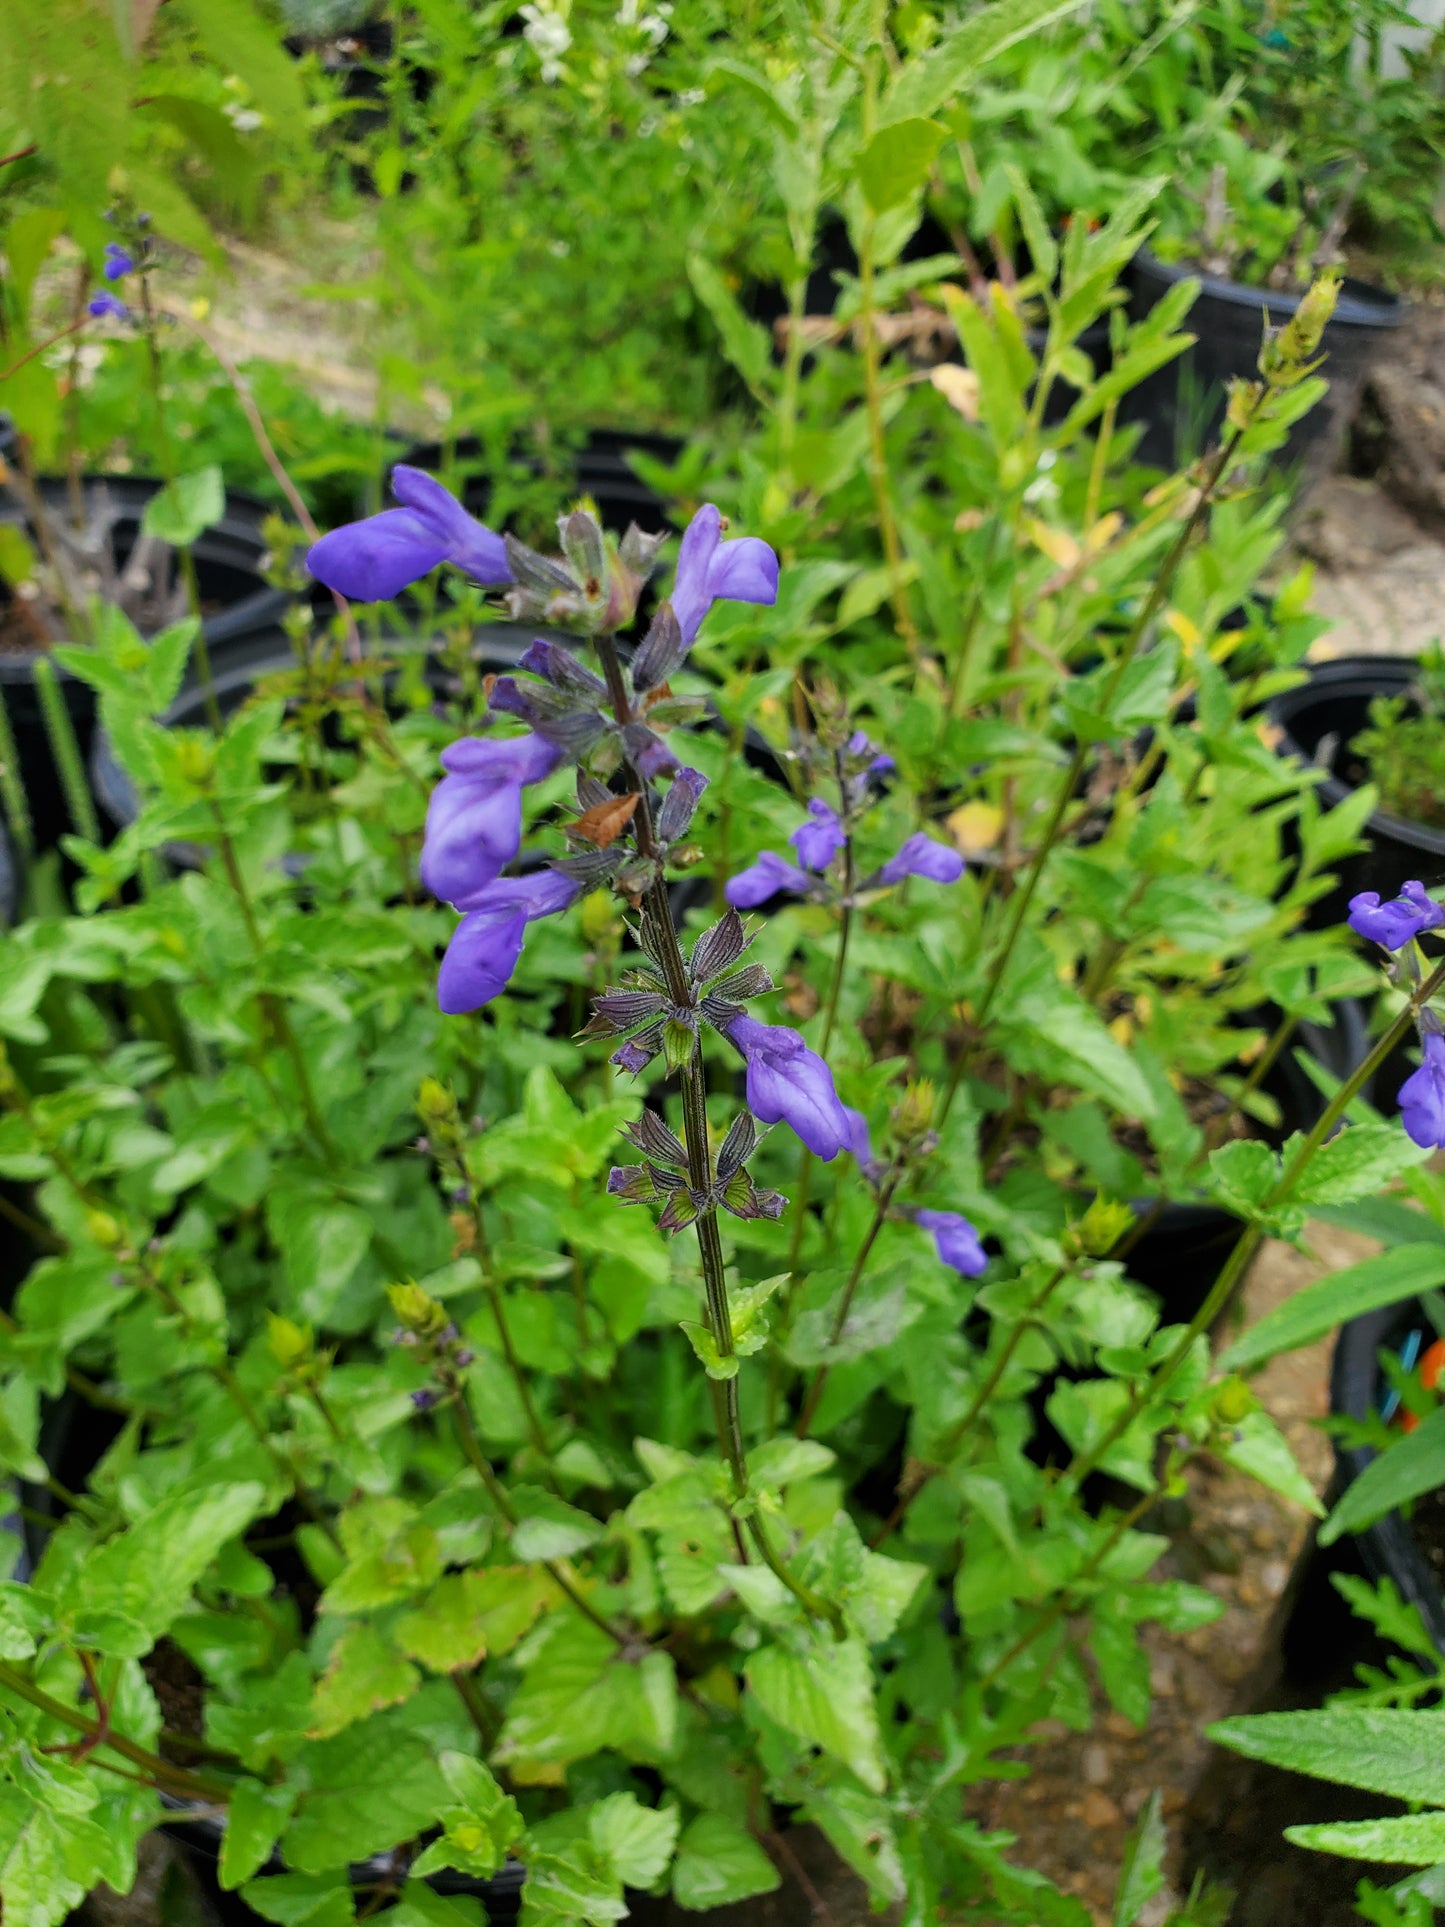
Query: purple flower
(375, 559)
(1394, 924)
(474, 819)
(106, 303)
(859, 1142)
(818, 840)
(710, 570)
(922, 857)
(859, 745)
(487, 942)
(632, 1057)
(118, 261)
(768, 877)
(1422, 1095)
(789, 1084)
(955, 1241)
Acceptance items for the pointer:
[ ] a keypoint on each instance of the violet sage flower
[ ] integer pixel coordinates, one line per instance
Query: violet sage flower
(819, 840)
(1422, 1096)
(474, 819)
(955, 1241)
(1395, 924)
(487, 943)
(375, 559)
(921, 856)
(119, 261)
(711, 570)
(770, 876)
(789, 1084)
(106, 303)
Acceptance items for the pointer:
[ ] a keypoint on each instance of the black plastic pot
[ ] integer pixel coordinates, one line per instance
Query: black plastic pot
(601, 469)
(1181, 405)
(1386, 1547)
(1318, 721)
(236, 599)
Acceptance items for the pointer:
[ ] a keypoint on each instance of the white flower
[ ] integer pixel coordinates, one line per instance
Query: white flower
(636, 64)
(691, 97)
(245, 120)
(549, 37)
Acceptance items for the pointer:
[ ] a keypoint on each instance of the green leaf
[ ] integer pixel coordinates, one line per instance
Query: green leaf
(896, 162)
(744, 342)
(147, 1572)
(256, 1817)
(708, 1356)
(925, 85)
(364, 1674)
(1414, 1463)
(391, 1554)
(1413, 1840)
(578, 1696)
(371, 1786)
(637, 1841)
(1355, 1163)
(1261, 1449)
(574, 1886)
(719, 1864)
(241, 40)
(1142, 1874)
(825, 1697)
(1379, 1750)
(479, 1829)
(1317, 1308)
(549, 1528)
(184, 508)
(303, 1899)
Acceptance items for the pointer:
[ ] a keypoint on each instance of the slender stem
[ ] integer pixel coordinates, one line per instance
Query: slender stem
(177, 1779)
(1162, 584)
(1253, 1234)
(472, 1448)
(12, 790)
(49, 342)
(845, 1304)
(65, 750)
(878, 447)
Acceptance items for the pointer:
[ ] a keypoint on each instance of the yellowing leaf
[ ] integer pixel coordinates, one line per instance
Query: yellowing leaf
(1180, 624)
(364, 1674)
(1057, 544)
(958, 387)
(975, 827)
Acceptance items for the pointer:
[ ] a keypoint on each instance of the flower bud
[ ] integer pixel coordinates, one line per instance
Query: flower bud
(417, 1310)
(104, 1230)
(435, 1103)
(1101, 1227)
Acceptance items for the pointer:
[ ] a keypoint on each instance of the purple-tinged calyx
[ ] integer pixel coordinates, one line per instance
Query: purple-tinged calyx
(376, 558)
(1396, 923)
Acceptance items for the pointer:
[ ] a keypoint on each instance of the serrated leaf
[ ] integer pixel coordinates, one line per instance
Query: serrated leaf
(256, 1817)
(186, 507)
(1414, 1463)
(896, 162)
(1257, 1446)
(636, 1841)
(147, 1572)
(1355, 1163)
(548, 1527)
(364, 1674)
(1379, 1750)
(826, 1698)
(1412, 1840)
(718, 1864)
(479, 1829)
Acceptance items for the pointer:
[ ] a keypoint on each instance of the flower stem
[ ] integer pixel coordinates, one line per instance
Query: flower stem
(1252, 1236)
(175, 1779)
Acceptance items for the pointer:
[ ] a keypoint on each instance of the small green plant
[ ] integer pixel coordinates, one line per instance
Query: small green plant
(1404, 745)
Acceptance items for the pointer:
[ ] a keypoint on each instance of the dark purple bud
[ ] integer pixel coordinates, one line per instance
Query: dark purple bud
(632, 1057)
(770, 876)
(789, 1084)
(655, 1140)
(460, 1194)
(718, 948)
(1395, 924)
(425, 1399)
(1422, 1096)
(710, 570)
(450, 1334)
(648, 754)
(679, 804)
(462, 1358)
(955, 1241)
(737, 1147)
(659, 652)
(558, 666)
(118, 1280)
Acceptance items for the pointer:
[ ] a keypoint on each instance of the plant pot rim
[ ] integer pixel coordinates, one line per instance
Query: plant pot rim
(1388, 675)
(1386, 1543)
(1360, 304)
